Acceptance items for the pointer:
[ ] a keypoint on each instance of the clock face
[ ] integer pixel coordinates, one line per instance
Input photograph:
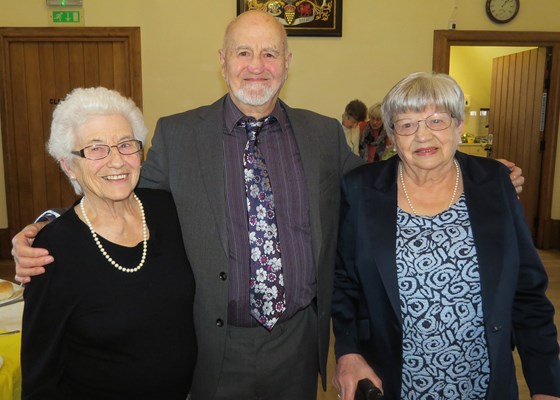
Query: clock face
(502, 11)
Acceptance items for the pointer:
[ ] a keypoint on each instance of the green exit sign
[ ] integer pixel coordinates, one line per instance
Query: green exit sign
(66, 17)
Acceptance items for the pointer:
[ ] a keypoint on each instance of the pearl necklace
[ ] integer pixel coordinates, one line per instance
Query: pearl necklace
(102, 249)
(452, 196)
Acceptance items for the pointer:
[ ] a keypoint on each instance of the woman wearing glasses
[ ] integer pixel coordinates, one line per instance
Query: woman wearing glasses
(112, 317)
(437, 278)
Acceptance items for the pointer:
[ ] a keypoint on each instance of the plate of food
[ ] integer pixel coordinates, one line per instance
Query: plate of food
(10, 292)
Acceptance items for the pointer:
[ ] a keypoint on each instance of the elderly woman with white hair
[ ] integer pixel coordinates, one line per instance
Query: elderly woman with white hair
(113, 316)
(437, 278)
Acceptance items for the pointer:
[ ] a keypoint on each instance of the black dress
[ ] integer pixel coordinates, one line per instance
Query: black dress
(91, 331)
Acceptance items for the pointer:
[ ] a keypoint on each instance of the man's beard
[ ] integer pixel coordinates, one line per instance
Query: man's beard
(251, 97)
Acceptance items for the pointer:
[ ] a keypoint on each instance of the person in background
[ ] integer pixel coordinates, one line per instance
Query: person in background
(374, 142)
(355, 113)
(305, 156)
(437, 278)
(113, 318)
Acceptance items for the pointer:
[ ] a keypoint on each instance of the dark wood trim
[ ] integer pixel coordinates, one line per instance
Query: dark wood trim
(547, 235)
(555, 234)
(5, 244)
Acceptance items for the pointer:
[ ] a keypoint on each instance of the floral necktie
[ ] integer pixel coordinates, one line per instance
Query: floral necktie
(266, 285)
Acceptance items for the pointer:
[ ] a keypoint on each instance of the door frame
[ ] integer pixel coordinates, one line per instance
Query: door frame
(548, 231)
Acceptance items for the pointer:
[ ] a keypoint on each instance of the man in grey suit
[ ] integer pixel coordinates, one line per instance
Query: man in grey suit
(197, 156)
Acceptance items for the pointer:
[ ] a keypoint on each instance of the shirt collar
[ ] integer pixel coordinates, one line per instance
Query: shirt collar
(232, 114)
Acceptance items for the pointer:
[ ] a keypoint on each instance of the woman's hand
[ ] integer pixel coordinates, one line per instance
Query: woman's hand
(29, 260)
(351, 368)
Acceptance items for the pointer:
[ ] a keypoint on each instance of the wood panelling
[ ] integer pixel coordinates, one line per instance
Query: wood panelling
(515, 115)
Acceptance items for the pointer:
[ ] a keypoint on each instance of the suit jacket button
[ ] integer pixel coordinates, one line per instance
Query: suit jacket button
(219, 323)
(496, 328)
(223, 276)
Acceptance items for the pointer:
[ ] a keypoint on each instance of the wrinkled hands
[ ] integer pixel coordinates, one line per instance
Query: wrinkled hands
(516, 175)
(350, 368)
(29, 261)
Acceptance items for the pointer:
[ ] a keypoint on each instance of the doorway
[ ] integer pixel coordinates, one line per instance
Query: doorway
(547, 230)
(38, 67)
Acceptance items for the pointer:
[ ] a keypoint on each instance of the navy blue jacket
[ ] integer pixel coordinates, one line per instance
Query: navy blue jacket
(366, 309)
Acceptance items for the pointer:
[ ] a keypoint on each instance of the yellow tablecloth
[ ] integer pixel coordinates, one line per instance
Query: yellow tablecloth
(10, 373)
(10, 345)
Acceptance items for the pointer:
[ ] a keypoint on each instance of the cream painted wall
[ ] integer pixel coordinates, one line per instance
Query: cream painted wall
(382, 42)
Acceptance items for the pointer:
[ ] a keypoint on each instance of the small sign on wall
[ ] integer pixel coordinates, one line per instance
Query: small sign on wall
(66, 17)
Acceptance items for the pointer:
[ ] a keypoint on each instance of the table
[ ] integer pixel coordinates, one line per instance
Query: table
(10, 345)
(474, 149)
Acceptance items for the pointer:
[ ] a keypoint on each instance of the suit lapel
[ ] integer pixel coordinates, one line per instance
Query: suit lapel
(210, 154)
(479, 186)
(380, 196)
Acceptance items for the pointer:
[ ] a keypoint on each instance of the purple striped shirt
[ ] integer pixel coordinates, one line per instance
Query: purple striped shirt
(279, 148)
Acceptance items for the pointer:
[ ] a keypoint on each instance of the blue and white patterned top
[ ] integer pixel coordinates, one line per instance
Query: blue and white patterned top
(445, 354)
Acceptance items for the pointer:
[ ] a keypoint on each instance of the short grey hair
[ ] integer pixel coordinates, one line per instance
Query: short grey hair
(77, 108)
(420, 90)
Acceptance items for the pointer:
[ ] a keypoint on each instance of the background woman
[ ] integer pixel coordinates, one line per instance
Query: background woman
(112, 318)
(374, 143)
(438, 282)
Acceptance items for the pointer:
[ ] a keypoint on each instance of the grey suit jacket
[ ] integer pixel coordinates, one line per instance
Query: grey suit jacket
(186, 158)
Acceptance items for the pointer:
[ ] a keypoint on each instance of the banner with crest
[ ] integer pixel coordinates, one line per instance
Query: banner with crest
(301, 17)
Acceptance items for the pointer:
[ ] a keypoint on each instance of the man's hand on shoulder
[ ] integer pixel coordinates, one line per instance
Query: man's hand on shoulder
(516, 175)
(29, 260)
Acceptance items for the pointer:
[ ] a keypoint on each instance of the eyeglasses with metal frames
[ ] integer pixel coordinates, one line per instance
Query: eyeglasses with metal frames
(435, 122)
(100, 151)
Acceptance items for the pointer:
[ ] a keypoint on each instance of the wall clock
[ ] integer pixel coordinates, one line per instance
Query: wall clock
(502, 11)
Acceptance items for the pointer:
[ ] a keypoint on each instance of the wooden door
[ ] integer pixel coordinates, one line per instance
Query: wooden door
(38, 67)
(516, 111)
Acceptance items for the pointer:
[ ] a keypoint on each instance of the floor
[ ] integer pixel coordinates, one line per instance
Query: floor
(551, 259)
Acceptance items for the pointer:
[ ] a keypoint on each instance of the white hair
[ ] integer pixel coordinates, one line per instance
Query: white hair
(78, 107)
